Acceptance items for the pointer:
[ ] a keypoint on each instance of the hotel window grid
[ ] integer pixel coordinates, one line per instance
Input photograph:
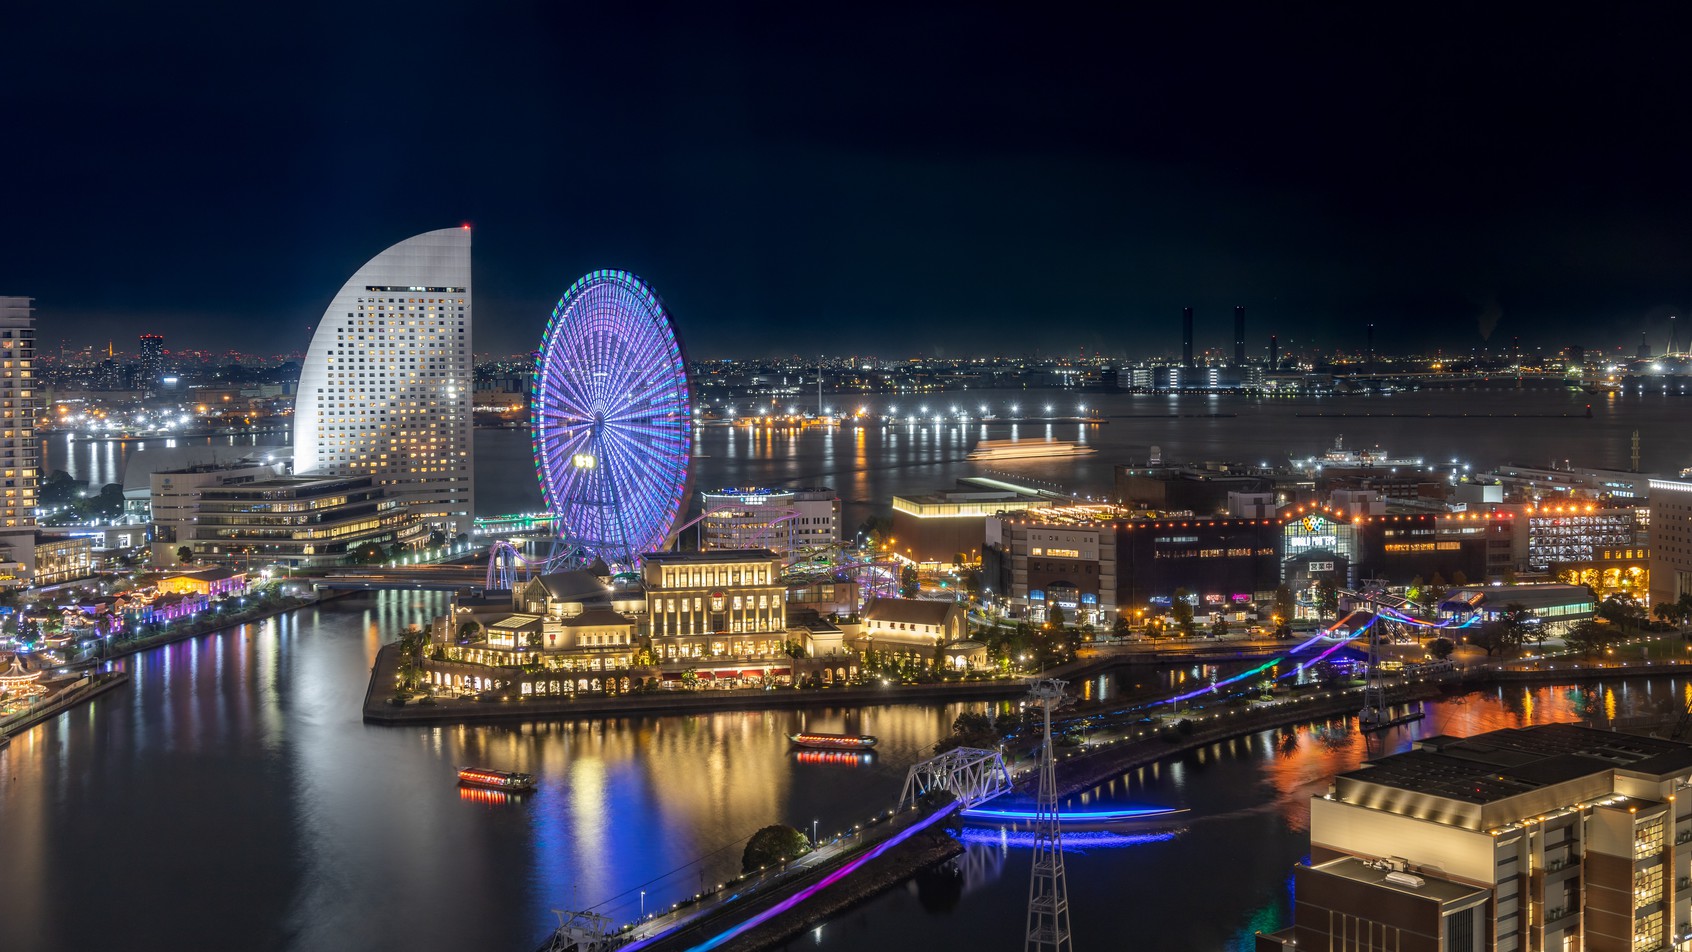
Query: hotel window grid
(1648, 838)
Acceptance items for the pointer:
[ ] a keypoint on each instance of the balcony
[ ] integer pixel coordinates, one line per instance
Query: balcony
(1684, 836)
(1552, 915)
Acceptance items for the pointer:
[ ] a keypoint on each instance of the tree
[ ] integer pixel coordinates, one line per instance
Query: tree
(1621, 611)
(1220, 629)
(1182, 610)
(772, 846)
(1441, 648)
(184, 554)
(1327, 599)
(908, 582)
(1516, 625)
(1284, 606)
(1669, 613)
(1589, 637)
(1055, 616)
(1459, 578)
(1489, 636)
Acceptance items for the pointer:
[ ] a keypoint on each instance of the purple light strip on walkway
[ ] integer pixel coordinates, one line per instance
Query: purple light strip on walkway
(808, 891)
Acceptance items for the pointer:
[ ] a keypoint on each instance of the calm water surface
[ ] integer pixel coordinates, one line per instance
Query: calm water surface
(1223, 872)
(231, 794)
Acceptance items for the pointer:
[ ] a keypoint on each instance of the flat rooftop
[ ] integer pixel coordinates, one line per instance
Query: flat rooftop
(1505, 763)
(1443, 891)
(708, 556)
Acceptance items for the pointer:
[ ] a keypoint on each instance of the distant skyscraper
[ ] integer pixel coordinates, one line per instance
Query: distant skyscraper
(1239, 337)
(1369, 349)
(152, 360)
(1186, 337)
(386, 385)
(1274, 352)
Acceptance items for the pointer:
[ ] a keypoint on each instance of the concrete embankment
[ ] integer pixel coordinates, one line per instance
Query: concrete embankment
(62, 702)
(1081, 770)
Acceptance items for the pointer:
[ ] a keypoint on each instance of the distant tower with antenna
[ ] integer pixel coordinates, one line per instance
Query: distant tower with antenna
(1048, 896)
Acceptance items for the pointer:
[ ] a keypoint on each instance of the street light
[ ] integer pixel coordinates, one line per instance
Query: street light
(813, 834)
(643, 904)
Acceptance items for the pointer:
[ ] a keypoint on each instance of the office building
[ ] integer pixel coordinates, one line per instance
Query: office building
(1058, 562)
(781, 520)
(152, 367)
(1186, 337)
(947, 527)
(174, 500)
(1671, 540)
(386, 388)
(298, 521)
(1554, 837)
(1239, 337)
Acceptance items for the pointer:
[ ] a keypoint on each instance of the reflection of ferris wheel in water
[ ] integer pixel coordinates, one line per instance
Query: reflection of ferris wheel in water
(611, 418)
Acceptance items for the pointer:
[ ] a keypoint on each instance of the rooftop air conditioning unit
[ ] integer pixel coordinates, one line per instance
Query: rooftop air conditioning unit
(1406, 879)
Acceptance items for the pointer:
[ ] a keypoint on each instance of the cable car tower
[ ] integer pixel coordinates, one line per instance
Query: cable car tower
(1048, 897)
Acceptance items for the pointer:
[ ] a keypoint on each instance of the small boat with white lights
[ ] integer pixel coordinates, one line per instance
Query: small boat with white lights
(1028, 449)
(490, 779)
(818, 741)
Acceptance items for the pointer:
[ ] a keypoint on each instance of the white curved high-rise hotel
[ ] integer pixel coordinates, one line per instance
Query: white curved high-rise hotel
(386, 388)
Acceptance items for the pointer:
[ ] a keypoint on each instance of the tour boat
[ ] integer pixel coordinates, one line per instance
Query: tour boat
(496, 779)
(1028, 449)
(834, 741)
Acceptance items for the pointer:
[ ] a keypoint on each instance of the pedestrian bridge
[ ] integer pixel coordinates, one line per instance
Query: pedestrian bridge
(970, 774)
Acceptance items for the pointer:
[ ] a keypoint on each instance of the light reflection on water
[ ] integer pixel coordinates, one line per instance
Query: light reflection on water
(1226, 872)
(232, 790)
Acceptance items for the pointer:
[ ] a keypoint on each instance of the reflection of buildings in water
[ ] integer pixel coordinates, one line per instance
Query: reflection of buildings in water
(980, 864)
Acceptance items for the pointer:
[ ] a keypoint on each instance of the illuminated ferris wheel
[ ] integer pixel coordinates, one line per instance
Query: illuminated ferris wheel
(611, 418)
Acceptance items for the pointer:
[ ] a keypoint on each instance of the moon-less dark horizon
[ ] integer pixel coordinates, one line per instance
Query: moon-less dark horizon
(898, 180)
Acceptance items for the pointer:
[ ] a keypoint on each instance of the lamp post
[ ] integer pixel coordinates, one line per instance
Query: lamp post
(643, 904)
(813, 834)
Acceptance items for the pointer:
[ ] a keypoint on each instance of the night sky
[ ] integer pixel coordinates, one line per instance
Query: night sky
(804, 178)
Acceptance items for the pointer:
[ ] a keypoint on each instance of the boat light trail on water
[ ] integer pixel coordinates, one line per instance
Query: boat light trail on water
(1072, 816)
(1073, 841)
(811, 890)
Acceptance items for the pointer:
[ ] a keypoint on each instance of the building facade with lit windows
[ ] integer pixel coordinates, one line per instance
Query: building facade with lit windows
(714, 609)
(1555, 838)
(299, 521)
(1671, 540)
(781, 520)
(20, 448)
(386, 388)
(934, 529)
(1062, 558)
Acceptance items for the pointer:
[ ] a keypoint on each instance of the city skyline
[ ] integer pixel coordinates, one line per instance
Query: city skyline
(1094, 178)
